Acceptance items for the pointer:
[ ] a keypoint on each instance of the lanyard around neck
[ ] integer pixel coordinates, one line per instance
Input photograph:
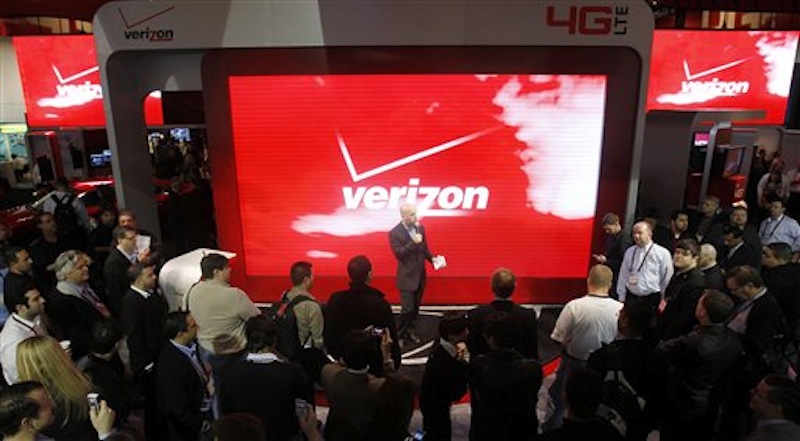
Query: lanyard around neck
(630, 267)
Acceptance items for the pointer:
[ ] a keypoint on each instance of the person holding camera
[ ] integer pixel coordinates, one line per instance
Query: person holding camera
(359, 307)
(363, 406)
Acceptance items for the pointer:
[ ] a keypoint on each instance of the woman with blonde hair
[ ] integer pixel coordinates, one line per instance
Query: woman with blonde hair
(42, 359)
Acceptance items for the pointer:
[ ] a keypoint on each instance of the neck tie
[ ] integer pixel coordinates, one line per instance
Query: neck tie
(92, 298)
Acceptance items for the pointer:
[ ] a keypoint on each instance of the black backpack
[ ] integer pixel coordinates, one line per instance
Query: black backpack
(288, 343)
(65, 216)
(622, 406)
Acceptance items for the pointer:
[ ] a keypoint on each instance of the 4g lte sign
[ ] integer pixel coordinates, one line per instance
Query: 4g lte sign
(589, 20)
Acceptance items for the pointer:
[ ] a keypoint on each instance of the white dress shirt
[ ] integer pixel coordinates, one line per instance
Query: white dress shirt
(650, 266)
(14, 332)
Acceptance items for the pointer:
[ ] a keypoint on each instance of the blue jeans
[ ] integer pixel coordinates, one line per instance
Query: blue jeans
(217, 363)
(565, 368)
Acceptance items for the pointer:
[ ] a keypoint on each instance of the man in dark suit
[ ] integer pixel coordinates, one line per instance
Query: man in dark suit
(359, 307)
(184, 399)
(616, 244)
(410, 247)
(758, 318)
(74, 306)
(115, 269)
(503, 285)
(445, 377)
(782, 278)
(738, 219)
(503, 386)
(739, 252)
(707, 263)
(143, 313)
(265, 385)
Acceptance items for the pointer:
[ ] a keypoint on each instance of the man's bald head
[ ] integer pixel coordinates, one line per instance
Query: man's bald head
(408, 214)
(708, 256)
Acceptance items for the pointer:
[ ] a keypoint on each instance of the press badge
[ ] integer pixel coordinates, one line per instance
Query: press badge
(633, 280)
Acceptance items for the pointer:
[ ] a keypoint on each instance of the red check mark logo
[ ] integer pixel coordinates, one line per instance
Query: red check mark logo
(356, 176)
(77, 76)
(146, 19)
(693, 76)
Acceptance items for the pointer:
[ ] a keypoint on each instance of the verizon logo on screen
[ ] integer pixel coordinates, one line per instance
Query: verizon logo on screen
(714, 85)
(148, 34)
(722, 70)
(445, 198)
(80, 92)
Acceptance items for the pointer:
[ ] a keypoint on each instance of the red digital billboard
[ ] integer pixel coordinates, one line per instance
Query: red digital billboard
(693, 70)
(498, 163)
(61, 83)
(507, 162)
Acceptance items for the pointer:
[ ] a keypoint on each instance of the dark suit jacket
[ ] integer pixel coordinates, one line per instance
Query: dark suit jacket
(180, 394)
(749, 234)
(108, 377)
(783, 282)
(615, 251)
(142, 321)
(682, 294)
(526, 342)
(356, 308)
(410, 256)
(268, 391)
(663, 237)
(714, 278)
(745, 255)
(764, 323)
(444, 381)
(115, 274)
(74, 319)
(504, 391)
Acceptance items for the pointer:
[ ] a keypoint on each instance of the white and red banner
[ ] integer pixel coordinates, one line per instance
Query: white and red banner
(693, 70)
(61, 83)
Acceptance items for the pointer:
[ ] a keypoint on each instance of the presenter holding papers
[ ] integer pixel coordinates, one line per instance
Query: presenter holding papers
(410, 247)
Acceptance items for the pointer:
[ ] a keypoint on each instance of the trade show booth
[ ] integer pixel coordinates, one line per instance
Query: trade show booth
(513, 126)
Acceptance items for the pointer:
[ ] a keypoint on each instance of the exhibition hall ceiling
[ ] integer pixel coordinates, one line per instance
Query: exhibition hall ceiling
(72, 9)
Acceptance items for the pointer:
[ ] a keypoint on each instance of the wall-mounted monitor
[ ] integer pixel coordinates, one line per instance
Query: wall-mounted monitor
(702, 69)
(700, 139)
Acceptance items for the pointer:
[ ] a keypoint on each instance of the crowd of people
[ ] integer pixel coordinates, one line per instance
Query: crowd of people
(690, 330)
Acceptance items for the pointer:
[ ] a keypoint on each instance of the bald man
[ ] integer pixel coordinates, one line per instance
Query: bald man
(410, 247)
(646, 269)
(710, 268)
(583, 326)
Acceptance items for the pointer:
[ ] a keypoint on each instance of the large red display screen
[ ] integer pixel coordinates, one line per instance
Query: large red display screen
(507, 155)
(723, 70)
(61, 83)
(497, 166)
